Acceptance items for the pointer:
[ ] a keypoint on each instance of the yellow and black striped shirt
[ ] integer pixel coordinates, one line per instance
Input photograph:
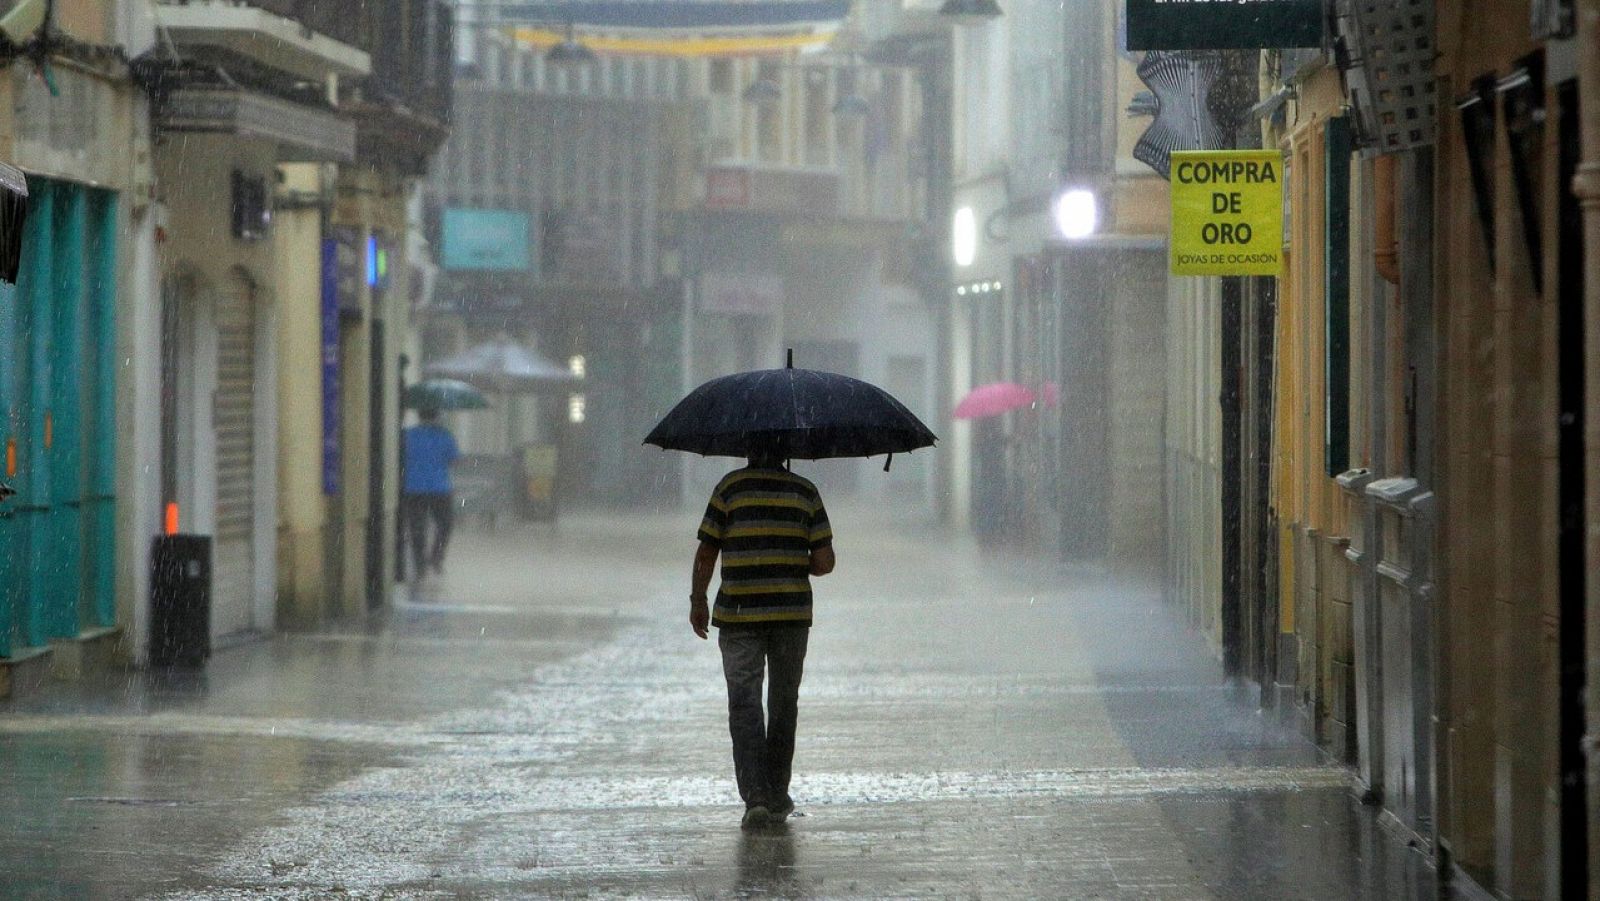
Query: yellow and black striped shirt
(766, 523)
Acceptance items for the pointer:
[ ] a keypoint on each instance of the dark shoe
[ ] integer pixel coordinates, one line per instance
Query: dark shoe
(781, 810)
(755, 817)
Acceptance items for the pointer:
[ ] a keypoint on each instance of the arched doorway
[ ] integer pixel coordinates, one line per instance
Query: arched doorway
(211, 452)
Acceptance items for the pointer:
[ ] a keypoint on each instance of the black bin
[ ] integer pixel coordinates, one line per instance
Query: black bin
(180, 600)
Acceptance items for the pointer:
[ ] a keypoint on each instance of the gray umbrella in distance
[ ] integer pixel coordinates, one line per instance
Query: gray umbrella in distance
(504, 365)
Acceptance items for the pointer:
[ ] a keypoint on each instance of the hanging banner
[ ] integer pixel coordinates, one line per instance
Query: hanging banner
(1227, 212)
(333, 251)
(1223, 24)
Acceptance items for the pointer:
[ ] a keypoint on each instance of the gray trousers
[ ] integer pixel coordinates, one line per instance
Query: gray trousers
(763, 747)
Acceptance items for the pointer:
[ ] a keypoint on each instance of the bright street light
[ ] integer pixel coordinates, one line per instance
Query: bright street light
(1077, 214)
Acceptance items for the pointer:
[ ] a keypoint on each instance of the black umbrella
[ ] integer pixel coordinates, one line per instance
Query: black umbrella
(802, 413)
(13, 210)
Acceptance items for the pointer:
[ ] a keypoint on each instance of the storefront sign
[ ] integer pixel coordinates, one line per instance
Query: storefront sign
(1223, 24)
(486, 240)
(1227, 212)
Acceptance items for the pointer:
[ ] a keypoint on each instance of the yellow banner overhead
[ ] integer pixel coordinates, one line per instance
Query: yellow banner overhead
(1227, 212)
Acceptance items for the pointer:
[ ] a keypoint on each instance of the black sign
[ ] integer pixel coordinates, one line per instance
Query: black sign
(1224, 24)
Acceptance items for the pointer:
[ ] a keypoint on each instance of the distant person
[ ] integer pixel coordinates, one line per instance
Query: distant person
(772, 533)
(428, 449)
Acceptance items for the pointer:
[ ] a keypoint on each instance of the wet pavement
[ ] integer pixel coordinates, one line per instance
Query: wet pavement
(542, 723)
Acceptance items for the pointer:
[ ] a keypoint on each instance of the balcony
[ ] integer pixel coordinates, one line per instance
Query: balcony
(275, 34)
(402, 108)
(301, 133)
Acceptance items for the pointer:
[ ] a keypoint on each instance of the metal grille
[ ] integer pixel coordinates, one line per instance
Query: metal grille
(234, 418)
(233, 425)
(1386, 50)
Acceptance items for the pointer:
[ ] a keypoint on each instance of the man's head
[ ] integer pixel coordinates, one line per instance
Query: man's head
(767, 452)
(428, 415)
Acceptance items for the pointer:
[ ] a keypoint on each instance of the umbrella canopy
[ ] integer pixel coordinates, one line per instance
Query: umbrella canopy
(993, 399)
(13, 210)
(503, 365)
(801, 413)
(444, 394)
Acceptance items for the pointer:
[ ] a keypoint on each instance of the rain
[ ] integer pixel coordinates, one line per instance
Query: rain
(725, 449)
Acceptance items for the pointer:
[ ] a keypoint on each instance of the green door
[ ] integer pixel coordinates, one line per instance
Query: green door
(57, 398)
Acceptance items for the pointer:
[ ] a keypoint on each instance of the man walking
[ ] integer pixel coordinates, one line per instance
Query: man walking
(772, 533)
(428, 450)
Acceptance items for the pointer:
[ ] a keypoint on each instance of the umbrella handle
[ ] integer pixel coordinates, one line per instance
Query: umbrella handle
(887, 461)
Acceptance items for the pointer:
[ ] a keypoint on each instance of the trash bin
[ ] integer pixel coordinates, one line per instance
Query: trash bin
(180, 600)
(540, 468)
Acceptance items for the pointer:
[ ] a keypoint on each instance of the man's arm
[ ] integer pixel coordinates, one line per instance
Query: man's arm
(822, 561)
(705, 564)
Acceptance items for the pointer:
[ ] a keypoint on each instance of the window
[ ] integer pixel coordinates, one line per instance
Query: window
(721, 76)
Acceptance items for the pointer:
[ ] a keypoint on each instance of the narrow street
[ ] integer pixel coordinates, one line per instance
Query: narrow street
(541, 723)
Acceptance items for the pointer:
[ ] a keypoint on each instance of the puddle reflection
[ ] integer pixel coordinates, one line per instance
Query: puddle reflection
(768, 864)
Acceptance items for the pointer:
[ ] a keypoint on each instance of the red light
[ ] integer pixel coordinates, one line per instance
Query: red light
(171, 524)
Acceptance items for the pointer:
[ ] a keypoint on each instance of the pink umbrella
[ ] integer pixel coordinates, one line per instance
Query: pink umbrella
(993, 399)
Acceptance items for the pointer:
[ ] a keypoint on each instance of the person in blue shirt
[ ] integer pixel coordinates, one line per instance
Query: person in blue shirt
(425, 492)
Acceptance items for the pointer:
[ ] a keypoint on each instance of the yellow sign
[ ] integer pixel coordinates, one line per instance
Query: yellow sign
(1227, 212)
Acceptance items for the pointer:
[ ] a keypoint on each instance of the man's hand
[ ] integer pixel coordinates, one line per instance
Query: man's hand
(822, 561)
(699, 617)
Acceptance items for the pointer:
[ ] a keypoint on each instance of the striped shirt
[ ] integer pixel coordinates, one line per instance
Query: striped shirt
(766, 523)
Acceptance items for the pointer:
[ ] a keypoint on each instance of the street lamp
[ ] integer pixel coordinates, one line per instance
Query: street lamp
(850, 102)
(971, 12)
(1077, 213)
(763, 91)
(570, 51)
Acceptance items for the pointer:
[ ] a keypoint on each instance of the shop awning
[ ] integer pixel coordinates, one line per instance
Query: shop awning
(678, 27)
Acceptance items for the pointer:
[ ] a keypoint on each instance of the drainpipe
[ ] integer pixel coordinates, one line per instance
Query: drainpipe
(1385, 250)
(1586, 185)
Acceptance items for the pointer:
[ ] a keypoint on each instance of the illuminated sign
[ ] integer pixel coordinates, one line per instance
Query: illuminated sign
(486, 240)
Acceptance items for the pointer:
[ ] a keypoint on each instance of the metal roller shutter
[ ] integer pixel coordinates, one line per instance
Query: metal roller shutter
(234, 425)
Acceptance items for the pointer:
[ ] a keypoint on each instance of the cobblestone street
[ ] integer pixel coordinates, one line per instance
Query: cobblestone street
(542, 723)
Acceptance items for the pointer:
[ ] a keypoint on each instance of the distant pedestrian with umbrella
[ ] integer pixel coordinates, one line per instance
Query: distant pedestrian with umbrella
(427, 450)
(770, 529)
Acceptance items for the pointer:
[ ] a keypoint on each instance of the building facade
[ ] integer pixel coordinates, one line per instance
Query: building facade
(1423, 595)
(74, 123)
(1058, 284)
(572, 165)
